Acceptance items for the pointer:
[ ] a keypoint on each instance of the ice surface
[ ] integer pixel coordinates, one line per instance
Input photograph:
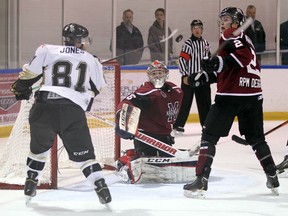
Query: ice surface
(237, 187)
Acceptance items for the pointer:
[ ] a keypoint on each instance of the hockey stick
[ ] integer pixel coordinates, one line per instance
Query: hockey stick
(242, 141)
(243, 27)
(135, 50)
(151, 141)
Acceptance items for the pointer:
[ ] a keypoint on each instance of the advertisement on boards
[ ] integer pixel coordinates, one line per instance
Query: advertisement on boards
(9, 106)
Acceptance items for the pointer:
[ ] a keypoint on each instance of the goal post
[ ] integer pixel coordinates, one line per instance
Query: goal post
(105, 141)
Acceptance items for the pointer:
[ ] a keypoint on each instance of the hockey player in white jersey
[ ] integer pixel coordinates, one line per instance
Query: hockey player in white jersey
(71, 78)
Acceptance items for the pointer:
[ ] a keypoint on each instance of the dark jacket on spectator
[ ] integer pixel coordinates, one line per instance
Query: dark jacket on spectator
(126, 42)
(257, 36)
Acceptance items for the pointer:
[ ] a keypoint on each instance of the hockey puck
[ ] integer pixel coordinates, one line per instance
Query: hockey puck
(179, 38)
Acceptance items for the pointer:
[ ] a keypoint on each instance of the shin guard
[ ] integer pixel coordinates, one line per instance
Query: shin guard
(205, 159)
(263, 153)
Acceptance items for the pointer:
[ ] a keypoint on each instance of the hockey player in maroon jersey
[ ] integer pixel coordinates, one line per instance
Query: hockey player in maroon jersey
(159, 101)
(237, 73)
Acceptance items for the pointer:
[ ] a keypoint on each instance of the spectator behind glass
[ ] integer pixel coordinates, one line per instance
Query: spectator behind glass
(156, 34)
(284, 42)
(128, 38)
(256, 32)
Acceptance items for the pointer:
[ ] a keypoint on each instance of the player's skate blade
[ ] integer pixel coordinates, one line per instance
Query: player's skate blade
(30, 186)
(199, 194)
(28, 200)
(275, 191)
(108, 207)
(197, 188)
(272, 182)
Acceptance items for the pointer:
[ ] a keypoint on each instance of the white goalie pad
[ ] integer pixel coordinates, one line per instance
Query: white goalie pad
(162, 170)
(129, 118)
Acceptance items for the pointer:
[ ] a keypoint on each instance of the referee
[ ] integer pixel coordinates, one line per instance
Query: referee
(194, 49)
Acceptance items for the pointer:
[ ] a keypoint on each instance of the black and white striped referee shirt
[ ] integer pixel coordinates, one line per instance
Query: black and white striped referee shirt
(191, 54)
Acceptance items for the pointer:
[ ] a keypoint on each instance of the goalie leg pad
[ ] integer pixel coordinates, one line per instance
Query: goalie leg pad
(168, 170)
(134, 169)
(129, 167)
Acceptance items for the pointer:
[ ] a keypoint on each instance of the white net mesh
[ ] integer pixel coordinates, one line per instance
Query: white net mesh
(13, 159)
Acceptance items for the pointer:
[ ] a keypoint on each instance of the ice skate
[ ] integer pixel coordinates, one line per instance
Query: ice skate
(102, 191)
(197, 188)
(272, 180)
(283, 165)
(30, 186)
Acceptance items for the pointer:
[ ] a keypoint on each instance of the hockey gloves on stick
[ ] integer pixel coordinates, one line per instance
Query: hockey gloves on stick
(21, 92)
(215, 64)
(200, 79)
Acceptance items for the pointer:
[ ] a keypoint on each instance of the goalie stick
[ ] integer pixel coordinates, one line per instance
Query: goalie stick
(135, 50)
(153, 142)
(242, 141)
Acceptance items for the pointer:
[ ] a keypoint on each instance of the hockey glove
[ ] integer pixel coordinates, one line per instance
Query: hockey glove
(124, 134)
(20, 91)
(215, 64)
(22, 88)
(201, 78)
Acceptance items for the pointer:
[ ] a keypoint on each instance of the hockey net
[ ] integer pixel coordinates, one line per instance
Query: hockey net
(106, 143)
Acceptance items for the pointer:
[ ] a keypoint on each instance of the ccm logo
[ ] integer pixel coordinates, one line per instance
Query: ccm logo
(80, 153)
(158, 160)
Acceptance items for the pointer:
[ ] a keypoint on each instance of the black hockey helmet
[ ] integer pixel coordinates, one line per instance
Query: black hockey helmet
(235, 13)
(73, 33)
(197, 22)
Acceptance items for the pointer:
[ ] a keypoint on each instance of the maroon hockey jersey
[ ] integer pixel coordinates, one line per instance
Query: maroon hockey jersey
(159, 107)
(242, 80)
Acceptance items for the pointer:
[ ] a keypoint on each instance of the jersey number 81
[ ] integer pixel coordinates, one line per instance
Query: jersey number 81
(61, 75)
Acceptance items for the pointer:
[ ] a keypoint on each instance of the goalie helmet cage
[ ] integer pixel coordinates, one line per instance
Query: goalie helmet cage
(106, 142)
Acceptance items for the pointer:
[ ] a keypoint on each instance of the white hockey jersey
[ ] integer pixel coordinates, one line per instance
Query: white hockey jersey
(68, 72)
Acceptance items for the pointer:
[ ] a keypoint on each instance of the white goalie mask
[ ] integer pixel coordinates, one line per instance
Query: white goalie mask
(157, 73)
